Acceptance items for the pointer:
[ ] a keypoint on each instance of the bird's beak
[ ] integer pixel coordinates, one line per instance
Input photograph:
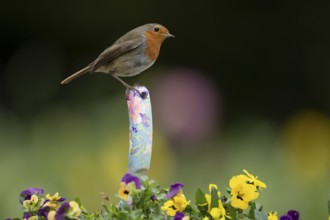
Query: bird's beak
(170, 35)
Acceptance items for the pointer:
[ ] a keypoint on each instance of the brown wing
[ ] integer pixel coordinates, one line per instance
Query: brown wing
(116, 50)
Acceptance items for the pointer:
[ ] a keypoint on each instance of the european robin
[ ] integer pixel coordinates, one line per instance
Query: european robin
(130, 55)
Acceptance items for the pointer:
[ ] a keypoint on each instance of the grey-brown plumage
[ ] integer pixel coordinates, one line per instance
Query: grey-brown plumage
(131, 54)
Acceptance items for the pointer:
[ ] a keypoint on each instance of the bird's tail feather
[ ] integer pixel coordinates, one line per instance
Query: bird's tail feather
(76, 74)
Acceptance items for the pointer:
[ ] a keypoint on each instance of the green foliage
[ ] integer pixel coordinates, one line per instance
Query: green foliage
(201, 202)
(232, 212)
(143, 199)
(142, 207)
(214, 198)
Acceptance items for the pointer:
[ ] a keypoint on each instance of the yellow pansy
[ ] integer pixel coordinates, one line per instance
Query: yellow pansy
(169, 208)
(51, 215)
(34, 200)
(176, 204)
(123, 192)
(55, 197)
(180, 202)
(53, 201)
(74, 209)
(218, 213)
(272, 216)
(249, 178)
(241, 192)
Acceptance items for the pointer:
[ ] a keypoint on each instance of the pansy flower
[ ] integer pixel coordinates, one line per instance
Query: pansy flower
(34, 217)
(291, 215)
(75, 210)
(241, 192)
(60, 213)
(70, 210)
(27, 216)
(27, 194)
(272, 216)
(44, 211)
(33, 201)
(217, 213)
(129, 178)
(174, 189)
(180, 216)
(129, 183)
(294, 214)
(250, 179)
(285, 217)
(177, 201)
(53, 202)
(153, 197)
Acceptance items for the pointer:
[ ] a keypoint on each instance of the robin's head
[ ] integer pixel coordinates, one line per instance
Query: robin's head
(157, 32)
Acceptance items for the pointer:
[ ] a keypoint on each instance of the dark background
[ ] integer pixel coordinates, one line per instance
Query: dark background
(267, 64)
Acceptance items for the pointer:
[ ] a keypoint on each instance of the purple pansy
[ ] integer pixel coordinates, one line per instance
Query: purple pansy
(27, 216)
(62, 199)
(44, 211)
(128, 178)
(294, 214)
(179, 216)
(26, 194)
(153, 197)
(64, 208)
(291, 215)
(285, 217)
(174, 189)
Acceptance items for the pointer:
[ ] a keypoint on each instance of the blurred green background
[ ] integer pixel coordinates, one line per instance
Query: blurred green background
(244, 85)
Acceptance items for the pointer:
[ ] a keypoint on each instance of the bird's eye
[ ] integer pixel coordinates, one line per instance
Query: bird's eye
(156, 29)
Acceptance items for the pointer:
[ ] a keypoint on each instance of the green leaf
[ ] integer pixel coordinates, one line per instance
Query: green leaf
(232, 212)
(106, 208)
(201, 201)
(214, 198)
(200, 197)
(251, 214)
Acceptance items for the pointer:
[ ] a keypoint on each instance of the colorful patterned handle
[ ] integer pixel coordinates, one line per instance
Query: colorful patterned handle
(140, 130)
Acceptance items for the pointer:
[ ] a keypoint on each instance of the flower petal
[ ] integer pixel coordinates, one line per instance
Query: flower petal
(174, 189)
(294, 214)
(26, 194)
(128, 178)
(285, 217)
(179, 216)
(62, 210)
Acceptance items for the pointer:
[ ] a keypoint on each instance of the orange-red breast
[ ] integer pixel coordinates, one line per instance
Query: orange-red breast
(131, 54)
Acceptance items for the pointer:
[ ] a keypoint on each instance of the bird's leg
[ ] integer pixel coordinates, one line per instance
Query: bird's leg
(126, 85)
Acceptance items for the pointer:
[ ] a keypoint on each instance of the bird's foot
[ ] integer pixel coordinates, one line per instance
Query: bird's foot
(143, 94)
